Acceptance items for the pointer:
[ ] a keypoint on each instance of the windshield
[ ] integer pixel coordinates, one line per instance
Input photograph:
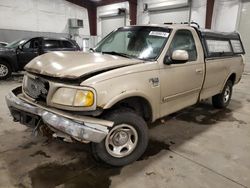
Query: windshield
(16, 43)
(135, 42)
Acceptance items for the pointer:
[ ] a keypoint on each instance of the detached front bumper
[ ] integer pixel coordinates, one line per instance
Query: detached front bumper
(81, 128)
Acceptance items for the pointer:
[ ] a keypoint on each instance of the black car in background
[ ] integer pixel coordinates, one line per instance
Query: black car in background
(14, 56)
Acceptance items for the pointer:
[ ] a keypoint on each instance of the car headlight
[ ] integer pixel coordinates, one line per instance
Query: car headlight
(73, 97)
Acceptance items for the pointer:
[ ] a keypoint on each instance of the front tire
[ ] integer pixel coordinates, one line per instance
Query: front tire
(5, 70)
(223, 99)
(126, 141)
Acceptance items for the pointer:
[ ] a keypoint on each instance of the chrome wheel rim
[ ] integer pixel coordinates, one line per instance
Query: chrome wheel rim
(121, 140)
(227, 94)
(3, 70)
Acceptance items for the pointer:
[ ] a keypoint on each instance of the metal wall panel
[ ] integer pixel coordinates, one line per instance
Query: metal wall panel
(111, 23)
(41, 16)
(171, 15)
(7, 35)
(244, 27)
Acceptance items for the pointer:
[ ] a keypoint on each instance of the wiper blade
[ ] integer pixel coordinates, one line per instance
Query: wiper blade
(117, 53)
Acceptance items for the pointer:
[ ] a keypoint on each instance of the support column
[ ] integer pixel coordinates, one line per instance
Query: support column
(132, 11)
(92, 20)
(209, 13)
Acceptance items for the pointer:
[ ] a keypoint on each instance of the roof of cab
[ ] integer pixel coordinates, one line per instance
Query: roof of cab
(203, 32)
(171, 26)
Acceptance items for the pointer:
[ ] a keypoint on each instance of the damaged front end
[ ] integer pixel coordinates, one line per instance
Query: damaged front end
(60, 123)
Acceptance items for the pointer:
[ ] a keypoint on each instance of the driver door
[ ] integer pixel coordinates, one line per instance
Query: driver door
(28, 52)
(181, 83)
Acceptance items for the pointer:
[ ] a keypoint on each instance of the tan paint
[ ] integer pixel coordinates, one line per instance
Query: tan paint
(217, 73)
(182, 82)
(180, 55)
(75, 64)
(180, 85)
(122, 83)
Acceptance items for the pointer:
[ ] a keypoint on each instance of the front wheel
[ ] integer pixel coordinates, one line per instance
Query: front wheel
(5, 70)
(223, 99)
(126, 141)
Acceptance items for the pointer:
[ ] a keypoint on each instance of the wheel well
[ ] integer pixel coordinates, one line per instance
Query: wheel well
(232, 77)
(138, 104)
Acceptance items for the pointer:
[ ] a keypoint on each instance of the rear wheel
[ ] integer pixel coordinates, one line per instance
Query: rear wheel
(126, 141)
(223, 99)
(5, 70)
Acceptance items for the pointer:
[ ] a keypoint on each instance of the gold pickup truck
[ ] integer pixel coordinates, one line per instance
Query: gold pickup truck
(134, 76)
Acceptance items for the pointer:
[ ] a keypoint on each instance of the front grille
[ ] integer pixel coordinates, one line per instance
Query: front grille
(37, 88)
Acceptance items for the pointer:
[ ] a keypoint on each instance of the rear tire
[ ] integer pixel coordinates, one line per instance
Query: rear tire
(223, 99)
(127, 139)
(5, 70)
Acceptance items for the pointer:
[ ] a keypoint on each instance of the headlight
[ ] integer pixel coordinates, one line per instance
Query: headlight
(73, 97)
(84, 98)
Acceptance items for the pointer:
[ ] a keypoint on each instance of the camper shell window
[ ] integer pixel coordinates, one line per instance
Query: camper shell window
(221, 44)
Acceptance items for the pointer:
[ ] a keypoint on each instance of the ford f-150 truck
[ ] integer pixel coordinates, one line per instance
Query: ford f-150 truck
(133, 77)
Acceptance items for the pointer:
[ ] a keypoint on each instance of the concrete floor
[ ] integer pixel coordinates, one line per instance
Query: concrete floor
(197, 147)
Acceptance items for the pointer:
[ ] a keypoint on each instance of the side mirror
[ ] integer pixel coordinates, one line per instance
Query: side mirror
(180, 56)
(177, 57)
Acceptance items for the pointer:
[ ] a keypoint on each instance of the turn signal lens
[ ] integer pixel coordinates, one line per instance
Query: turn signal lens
(84, 98)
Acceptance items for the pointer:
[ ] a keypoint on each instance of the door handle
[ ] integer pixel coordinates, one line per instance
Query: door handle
(199, 71)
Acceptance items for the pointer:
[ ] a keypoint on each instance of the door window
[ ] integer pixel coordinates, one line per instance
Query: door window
(35, 44)
(183, 40)
(51, 44)
(31, 44)
(27, 45)
(67, 44)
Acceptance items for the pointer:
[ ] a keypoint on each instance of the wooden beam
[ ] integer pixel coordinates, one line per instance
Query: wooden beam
(82, 3)
(132, 11)
(209, 13)
(109, 2)
(92, 14)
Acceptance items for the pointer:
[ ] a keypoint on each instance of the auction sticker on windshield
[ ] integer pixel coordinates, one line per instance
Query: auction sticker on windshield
(159, 34)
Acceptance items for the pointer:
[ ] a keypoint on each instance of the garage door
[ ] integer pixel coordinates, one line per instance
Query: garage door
(111, 23)
(174, 15)
(244, 27)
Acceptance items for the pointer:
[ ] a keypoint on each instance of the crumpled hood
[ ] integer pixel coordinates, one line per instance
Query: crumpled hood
(76, 64)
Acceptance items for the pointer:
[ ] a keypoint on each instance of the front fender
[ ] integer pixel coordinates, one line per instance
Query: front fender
(132, 81)
(125, 95)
